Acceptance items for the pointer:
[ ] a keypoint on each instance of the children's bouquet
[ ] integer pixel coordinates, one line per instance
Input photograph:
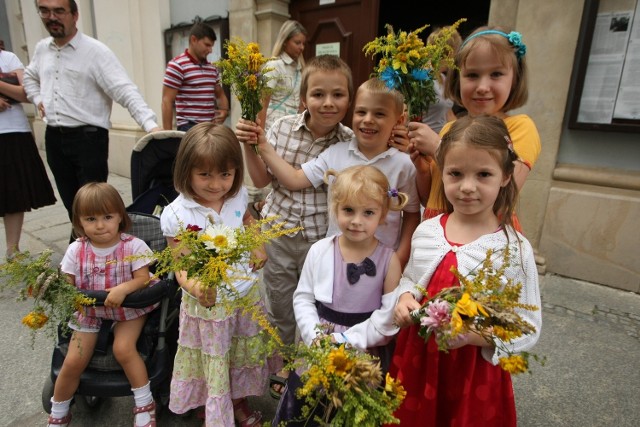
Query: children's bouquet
(55, 299)
(213, 257)
(409, 65)
(245, 72)
(343, 386)
(487, 304)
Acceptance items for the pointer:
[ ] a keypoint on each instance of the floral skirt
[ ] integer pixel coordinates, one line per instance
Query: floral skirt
(221, 356)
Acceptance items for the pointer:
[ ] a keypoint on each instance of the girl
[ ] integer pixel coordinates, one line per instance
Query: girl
(490, 78)
(464, 387)
(348, 280)
(217, 364)
(98, 261)
(285, 74)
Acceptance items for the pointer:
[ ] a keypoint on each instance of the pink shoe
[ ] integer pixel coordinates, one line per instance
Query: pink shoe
(151, 409)
(64, 421)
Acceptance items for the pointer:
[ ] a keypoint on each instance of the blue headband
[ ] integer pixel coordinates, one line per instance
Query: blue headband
(514, 37)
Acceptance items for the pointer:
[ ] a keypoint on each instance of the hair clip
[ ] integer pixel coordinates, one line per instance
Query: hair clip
(393, 192)
(509, 144)
(514, 37)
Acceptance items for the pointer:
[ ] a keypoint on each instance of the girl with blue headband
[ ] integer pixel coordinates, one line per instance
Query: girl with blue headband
(490, 78)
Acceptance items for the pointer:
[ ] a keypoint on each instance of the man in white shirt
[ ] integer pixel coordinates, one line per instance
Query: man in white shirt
(73, 80)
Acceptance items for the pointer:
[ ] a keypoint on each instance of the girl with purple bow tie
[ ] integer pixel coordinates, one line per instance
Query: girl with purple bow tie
(347, 280)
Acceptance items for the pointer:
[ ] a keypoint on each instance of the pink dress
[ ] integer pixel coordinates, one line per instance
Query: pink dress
(99, 269)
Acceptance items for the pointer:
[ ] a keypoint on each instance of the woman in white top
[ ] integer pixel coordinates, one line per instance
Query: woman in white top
(285, 75)
(24, 184)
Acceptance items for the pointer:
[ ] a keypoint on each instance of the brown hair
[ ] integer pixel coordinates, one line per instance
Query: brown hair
(377, 87)
(504, 50)
(360, 183)
(325, 63)
(98, 198)
(489, 133)
(208, 146)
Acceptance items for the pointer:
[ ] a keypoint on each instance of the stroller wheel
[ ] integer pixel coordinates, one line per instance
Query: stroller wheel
(47, 394)
(88, 402)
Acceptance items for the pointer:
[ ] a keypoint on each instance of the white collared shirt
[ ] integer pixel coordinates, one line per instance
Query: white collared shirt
(396, 166)
(78, 82)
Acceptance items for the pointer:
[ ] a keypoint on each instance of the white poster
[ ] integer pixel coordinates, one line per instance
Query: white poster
(628, 101)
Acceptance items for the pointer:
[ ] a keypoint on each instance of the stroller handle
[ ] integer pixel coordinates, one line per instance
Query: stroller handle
(140, 298)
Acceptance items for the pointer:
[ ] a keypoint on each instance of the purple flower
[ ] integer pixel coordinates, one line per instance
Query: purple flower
(438, 314)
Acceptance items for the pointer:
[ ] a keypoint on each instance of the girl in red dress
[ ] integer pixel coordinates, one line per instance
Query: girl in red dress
(464, 386)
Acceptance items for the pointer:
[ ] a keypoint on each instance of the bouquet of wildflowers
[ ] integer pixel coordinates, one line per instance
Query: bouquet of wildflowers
(210, 256)
(55, 299)
(343, 386)
(409, 65)
(245, 72)
(486, 304)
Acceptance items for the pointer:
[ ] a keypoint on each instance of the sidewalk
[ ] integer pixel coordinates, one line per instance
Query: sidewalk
(590, 337)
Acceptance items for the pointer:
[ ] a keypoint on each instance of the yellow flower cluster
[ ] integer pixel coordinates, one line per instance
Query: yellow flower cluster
(55, 299)
(409, 65)
(244, 71)
(342, 386)
(486, 303)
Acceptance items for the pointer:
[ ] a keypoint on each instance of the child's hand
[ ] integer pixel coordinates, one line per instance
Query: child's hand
(206, 296)
(423, 138)
(420, 161)
(402, 313)
(249, 132)
(458, 341)
(115, 297)
(399, 138)
(258, 258)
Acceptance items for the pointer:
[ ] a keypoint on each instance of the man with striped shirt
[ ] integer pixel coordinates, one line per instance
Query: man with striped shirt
(193, 85)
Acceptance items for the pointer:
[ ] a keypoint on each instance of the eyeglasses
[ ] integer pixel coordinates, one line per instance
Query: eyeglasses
(57, 12)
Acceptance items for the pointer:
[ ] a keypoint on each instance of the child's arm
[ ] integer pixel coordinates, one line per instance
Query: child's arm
(304, 300)
(252, 134)
(246, 132)
(410, 221)
(258, 255)
(423, 138)
(399, 138)
(379, 328)
(423, 173)
(118, 293)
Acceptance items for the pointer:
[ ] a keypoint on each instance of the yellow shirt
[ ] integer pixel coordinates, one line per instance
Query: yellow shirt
(526, 143)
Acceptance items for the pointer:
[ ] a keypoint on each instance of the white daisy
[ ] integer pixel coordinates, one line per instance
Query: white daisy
(220, 238)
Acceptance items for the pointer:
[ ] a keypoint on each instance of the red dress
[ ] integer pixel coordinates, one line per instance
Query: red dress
(459, 388)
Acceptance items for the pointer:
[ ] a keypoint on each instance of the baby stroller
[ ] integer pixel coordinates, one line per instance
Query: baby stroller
(152, 189)
(152, 171)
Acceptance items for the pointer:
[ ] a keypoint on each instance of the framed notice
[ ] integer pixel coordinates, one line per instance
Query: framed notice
(606, 95)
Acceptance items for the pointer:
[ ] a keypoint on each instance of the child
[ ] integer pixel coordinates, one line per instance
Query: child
(377, 109)
(217, 364)
(326, 91)
(490, 78)
(348, 280)
(464, 386)
(97, 261)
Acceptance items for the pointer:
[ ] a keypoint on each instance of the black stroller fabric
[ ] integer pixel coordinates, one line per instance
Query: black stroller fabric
(152, 171)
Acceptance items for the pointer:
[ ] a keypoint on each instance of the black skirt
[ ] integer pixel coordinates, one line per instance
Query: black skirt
(24, 184)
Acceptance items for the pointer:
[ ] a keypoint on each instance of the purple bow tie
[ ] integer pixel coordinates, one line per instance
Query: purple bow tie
(354, 271)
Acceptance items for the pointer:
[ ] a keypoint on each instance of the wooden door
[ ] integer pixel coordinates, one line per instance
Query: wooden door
(342, 26)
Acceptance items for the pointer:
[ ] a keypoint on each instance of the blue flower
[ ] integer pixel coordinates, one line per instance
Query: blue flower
(391, 78)
(420, 74)
(515, 38)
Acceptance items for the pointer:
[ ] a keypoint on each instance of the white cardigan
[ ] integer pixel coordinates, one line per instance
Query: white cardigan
(428, 248)
(316, 284)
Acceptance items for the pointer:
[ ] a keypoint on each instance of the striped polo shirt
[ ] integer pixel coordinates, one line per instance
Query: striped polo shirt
(195, 83)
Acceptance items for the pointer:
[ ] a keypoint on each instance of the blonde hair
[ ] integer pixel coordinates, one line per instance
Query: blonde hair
(288, 30)
(454, 41)
(325, 64)
(504, 50)
(98, 198)
(362, 183)
(376, 86)
(208, 146)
